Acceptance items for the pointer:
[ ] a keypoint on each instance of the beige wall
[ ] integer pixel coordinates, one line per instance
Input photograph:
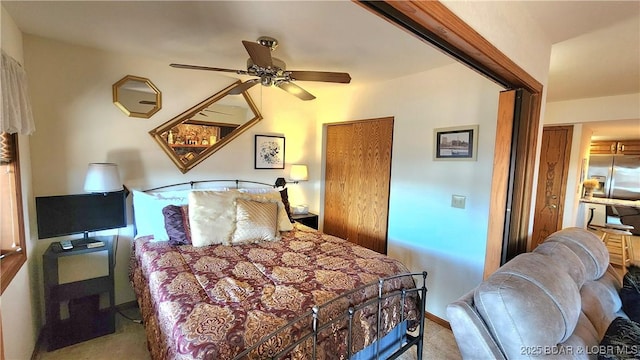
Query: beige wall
(425, 232)
(510, 29)
(20, 321)
(619, 107)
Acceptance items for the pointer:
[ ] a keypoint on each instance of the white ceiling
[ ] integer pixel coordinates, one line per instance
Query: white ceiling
(596, 48)
(323, 36)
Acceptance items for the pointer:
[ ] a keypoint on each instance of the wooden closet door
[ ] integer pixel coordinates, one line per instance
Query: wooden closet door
(357, 180)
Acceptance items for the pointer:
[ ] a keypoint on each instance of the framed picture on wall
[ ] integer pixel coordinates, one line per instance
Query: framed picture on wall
(269, 152)
(456, 143)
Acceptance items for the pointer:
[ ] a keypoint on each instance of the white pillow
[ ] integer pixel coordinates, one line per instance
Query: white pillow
(212, 217)
(171, 194)
(147, 212)
(270, 194)
(255, 221)
(258, 190)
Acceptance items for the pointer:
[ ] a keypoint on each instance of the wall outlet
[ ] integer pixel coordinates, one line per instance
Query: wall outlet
(458, 201)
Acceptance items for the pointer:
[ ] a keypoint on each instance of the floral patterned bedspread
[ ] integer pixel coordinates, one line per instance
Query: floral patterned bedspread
(214, 302)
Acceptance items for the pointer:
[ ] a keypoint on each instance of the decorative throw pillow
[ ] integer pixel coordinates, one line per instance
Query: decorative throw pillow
(176, 222)
(212, 217)
(284, 196)
(255, 221)
(630, 293)
(147, 212)
(263, 195)
(621, 341)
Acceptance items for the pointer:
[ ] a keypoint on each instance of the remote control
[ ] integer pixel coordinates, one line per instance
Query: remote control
(95, 244)
(66, 244)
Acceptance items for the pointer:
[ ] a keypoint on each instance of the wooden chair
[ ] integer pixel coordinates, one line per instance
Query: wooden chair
(617, 238)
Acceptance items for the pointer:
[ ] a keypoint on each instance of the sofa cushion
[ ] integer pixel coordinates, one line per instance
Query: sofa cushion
(589, 248)
(565, 258)
(600, 302)
(585, 336)
(528, 302)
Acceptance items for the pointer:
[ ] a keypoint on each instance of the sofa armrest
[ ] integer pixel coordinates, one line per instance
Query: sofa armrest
(473, 337)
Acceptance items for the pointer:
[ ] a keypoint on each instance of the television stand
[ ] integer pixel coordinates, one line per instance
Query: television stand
(86, 320)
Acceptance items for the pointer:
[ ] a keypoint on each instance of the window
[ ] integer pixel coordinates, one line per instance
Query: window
(12, 242)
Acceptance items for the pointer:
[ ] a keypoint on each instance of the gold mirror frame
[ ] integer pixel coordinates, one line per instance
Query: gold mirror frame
(194, 135)
(137, 96)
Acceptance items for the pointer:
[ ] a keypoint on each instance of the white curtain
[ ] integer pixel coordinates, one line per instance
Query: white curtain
(16, 116)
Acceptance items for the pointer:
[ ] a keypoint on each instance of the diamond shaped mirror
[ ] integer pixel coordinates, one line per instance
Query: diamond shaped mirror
(200, 131)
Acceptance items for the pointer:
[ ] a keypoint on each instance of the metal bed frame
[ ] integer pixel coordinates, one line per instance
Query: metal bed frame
(312, 326)
(193, 183)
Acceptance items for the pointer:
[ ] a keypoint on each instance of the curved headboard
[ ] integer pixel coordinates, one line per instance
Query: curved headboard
(192, 184)
(237, 184)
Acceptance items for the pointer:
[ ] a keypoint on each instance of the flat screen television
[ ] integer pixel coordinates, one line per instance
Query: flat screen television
(81, 213)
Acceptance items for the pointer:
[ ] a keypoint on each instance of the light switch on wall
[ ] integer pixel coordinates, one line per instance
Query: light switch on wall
(457, 201)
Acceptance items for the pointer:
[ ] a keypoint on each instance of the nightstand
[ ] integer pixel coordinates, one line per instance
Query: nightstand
(86, 319)
(309, 219)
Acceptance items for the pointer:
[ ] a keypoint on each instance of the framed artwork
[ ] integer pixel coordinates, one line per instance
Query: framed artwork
(456, 143)
(269, 152)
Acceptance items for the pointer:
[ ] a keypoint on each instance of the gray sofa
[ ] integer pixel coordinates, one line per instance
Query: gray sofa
(556, 301)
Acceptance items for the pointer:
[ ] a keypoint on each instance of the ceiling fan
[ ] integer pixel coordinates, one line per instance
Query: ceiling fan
(273, 71)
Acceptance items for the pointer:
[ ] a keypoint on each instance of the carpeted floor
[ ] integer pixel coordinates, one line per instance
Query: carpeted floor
(129, 342)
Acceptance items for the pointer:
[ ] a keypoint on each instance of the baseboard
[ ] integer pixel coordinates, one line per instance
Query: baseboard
(437, 320)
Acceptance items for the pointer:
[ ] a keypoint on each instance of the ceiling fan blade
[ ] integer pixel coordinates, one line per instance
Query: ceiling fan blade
(196, 67)
(326, 76)
(244, 87)
(261, 55)
(295, 90)
(146, 102)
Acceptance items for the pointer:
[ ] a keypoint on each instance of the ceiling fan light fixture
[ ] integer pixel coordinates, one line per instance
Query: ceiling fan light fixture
(266, 80)
(268, 41)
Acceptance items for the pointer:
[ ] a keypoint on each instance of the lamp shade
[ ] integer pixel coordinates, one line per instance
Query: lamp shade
(102, 178)
(299, 173)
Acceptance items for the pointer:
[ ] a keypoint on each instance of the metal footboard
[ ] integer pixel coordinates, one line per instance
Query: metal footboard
(324, 321)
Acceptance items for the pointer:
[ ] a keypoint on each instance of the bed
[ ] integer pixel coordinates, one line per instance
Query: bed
(300, 294)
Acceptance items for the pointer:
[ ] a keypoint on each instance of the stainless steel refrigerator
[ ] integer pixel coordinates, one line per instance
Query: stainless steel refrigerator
(618, 175)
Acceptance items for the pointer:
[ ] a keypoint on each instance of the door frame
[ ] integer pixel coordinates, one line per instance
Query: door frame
(435, 24)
